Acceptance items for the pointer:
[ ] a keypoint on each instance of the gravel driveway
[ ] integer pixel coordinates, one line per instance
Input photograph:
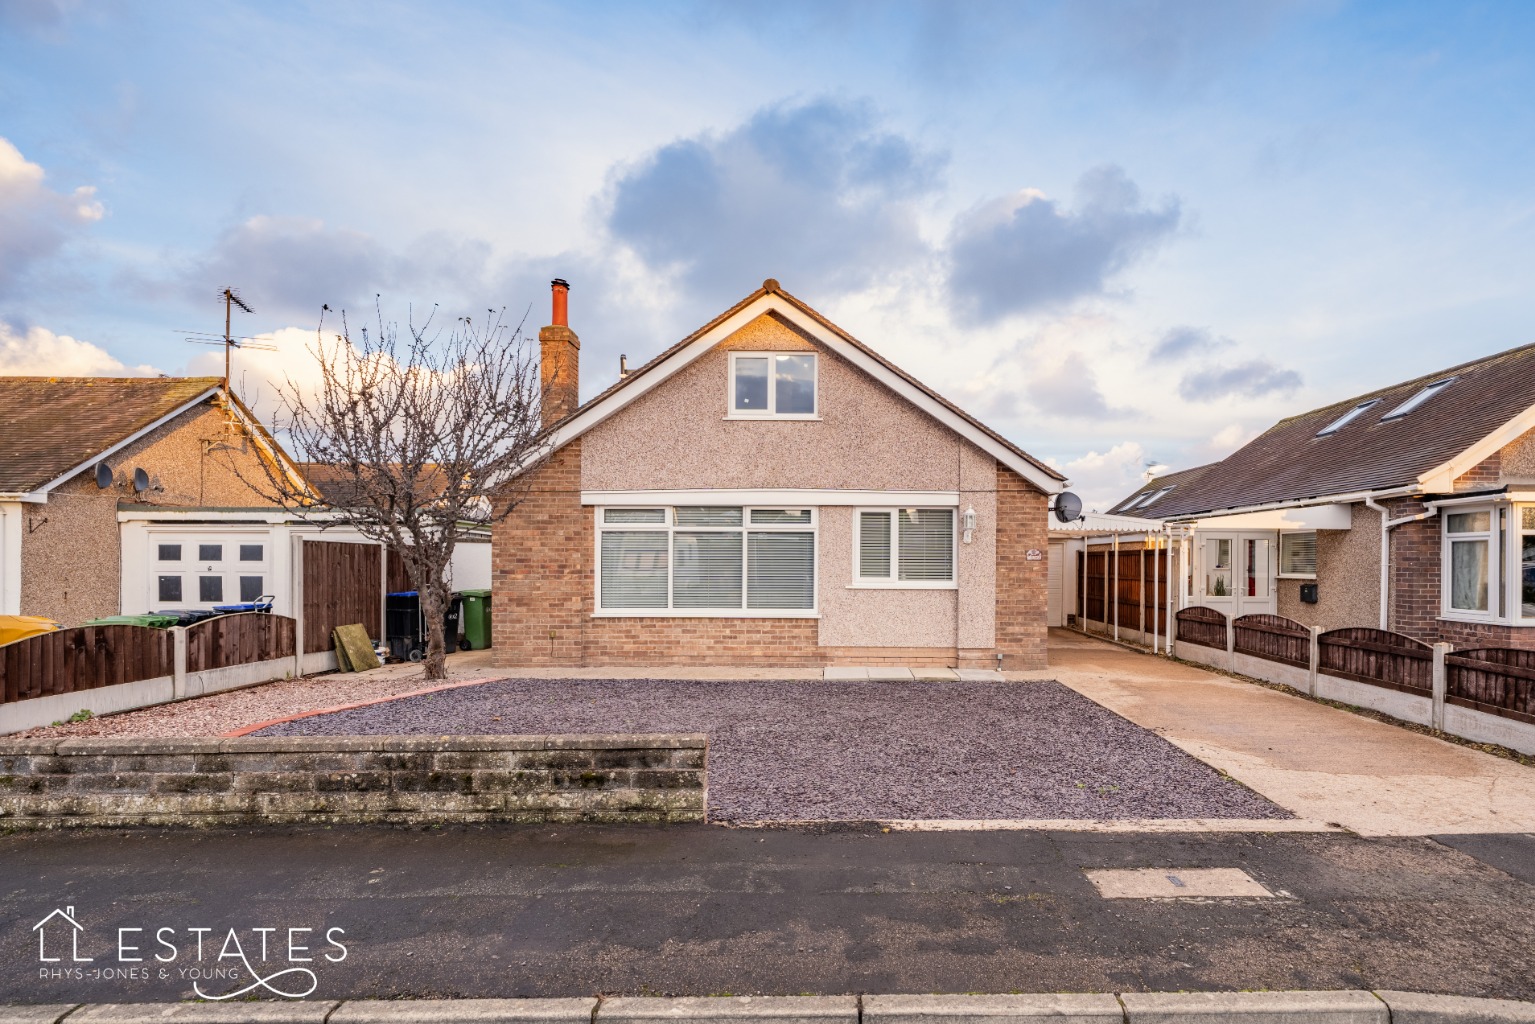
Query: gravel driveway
(796, 751)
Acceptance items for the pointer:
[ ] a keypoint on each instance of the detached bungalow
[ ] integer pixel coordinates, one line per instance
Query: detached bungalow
(770, 490)
(1409, 508)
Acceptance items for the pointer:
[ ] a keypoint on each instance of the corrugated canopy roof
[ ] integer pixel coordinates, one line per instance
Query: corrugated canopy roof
(49, 425)
(1294, 461)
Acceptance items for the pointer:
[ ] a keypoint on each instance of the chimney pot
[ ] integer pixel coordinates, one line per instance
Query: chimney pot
(561, 289)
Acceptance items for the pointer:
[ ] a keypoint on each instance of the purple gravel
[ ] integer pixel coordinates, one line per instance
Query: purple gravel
(796, 751)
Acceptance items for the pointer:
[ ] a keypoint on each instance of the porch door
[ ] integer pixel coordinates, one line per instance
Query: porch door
(1237, 572)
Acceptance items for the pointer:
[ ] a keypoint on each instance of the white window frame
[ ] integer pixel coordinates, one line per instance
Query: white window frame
(893, 581)
(771, 413)
(1496, 549)
(1516, 535)
(669, 526)
(1281, 574)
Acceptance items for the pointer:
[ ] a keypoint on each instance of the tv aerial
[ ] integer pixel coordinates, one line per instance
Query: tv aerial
(228, 339)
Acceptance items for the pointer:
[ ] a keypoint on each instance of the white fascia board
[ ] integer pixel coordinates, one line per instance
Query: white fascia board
(125, 442)
(892, 380)
(1352, 497)
(773, 498)
(1338, 516)
(36, 497)
(1442, 477)
(181, 515)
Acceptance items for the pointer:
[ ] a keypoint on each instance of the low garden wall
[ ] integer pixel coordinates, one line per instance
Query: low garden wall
(352, 779)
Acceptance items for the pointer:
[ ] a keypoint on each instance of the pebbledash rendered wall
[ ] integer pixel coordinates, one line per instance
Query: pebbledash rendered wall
(866, 439)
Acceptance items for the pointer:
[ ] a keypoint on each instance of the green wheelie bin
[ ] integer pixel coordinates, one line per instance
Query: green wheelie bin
(476, 618)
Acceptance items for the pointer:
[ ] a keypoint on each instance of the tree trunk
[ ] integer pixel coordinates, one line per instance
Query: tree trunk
(434, 604)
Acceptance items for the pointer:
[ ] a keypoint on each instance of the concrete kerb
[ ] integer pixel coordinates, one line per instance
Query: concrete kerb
(1350, 1006)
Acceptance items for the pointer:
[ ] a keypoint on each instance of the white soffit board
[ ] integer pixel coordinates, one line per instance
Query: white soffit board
(1313, 517)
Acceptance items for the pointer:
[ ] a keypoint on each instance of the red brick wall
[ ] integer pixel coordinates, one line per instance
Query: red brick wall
(1022, 612)
(1485, 474)
(543, 579)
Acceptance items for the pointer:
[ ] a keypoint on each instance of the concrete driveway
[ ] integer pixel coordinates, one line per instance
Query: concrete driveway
(1320, 763)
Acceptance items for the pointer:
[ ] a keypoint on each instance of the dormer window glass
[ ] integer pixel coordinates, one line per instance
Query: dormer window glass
(773, 385)
(1347, 418)
(1416, 400)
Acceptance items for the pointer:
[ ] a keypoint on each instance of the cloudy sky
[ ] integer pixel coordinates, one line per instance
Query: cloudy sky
(1127, 232)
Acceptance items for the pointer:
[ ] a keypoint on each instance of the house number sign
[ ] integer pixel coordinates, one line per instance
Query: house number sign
(1034, 555)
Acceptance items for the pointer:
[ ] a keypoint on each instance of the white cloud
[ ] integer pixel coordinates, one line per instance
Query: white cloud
(35, 221)
(1101, 479)
(260, 376)
(38, 352)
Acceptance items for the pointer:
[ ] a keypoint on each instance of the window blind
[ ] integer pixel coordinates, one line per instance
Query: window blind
(706, 569)
(780, 570)
(1297, 554)
(634, 567)
(926, 544)
(707, 515)
(874, 545)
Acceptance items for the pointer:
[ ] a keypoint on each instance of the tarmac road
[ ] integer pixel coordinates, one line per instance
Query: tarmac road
(574, 910)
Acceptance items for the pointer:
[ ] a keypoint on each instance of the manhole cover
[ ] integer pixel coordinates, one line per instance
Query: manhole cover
(1175, 883)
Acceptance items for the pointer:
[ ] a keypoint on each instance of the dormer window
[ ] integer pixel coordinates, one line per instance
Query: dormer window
(1416, 400)
(1347, 418)
(773, 385)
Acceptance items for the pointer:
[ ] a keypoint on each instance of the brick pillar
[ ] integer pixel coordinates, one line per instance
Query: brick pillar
(542, 573)
(1022, 584)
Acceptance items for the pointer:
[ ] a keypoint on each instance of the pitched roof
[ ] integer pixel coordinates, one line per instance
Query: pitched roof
(1293, 461)
(51, 425)
(772, 288)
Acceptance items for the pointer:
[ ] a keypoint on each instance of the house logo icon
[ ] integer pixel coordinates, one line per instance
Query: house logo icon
(42, 928)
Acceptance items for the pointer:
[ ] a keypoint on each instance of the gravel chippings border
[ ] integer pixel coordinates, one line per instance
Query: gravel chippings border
(798, 751)
(219, 713)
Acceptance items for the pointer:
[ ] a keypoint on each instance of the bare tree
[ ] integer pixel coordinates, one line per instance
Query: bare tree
(415, 442)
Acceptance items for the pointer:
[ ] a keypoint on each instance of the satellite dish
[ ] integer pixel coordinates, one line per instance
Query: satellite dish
(140, 480)
(103, 475)
(1068, 507)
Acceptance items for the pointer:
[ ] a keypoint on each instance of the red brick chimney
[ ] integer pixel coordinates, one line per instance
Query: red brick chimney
(559, 359)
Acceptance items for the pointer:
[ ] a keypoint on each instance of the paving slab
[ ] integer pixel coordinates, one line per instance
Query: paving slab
(778, 1009)
(43, 1013)
(840, 672)
(1321, 763)
(1341, 1007)
(1176, 883)
(890, 674)
(1063, 1008)
(979, 675)
(1424, 1008)
(235, 1011)
(466, 1011)
(934, 675)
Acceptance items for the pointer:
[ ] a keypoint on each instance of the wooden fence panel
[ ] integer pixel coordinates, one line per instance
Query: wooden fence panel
(1495, 680)
(1205, 627)
(1379, 657)
(341, 586)
(1273, 638)
(239, 639)
(1093, 606)
(84, 658)
(1127, 589)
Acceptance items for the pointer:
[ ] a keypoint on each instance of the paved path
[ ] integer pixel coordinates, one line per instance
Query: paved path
(702, 909)
(1320, 763)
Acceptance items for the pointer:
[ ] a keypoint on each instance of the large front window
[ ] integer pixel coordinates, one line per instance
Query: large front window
(706, 560)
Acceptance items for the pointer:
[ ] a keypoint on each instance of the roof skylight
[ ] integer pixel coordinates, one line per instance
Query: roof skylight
(1347, 418)
(1422, 396)
(1153, 497)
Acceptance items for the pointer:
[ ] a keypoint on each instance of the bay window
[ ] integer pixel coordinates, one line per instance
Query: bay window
(706, 560)
(1471, 563)
(904, 547)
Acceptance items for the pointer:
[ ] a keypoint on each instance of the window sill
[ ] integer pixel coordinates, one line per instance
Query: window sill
(902, 585)
(765, 417)
(1297, 576)
(707, 613)
(1482, 620)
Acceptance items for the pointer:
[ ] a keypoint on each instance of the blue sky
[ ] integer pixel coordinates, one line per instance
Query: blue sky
(1121, 232)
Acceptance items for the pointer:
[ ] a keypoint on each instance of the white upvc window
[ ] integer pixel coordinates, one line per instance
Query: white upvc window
(1297, 555)
(774, 385)
(1524, 553)
(905, 548)
(1470, 563)
(719, 561)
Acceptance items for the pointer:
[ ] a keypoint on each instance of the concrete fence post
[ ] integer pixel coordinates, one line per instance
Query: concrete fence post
(1441, 686)
(179, 660)
(1316, 659)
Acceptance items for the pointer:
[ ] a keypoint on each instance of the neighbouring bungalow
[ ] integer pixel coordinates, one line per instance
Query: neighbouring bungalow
(1409, 508)
(770, 491)
(128, 495)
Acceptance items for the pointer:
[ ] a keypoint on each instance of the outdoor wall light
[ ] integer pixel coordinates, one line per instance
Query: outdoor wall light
(967, 523)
